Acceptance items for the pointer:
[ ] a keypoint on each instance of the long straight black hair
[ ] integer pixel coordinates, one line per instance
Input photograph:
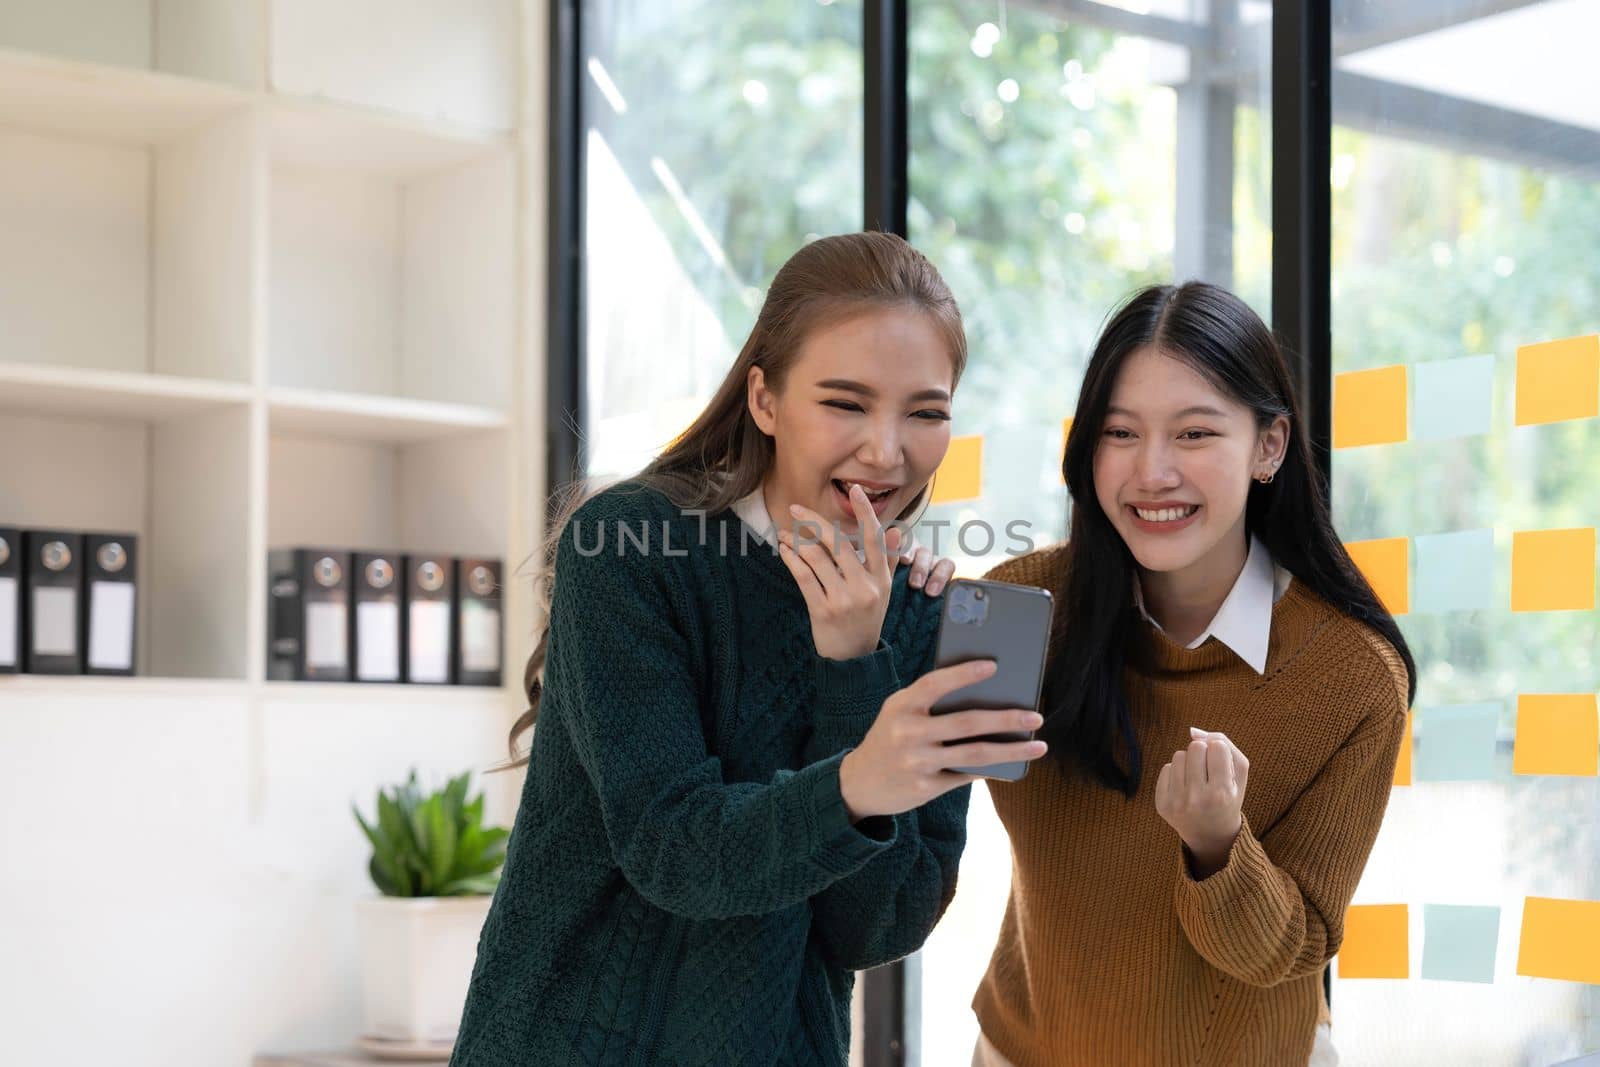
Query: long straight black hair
(1098, 632)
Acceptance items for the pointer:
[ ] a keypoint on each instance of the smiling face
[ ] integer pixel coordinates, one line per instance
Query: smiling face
(866, 400)
(1173, 467)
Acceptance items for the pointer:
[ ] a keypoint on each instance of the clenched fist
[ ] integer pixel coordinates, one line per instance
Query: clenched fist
(1200, 794)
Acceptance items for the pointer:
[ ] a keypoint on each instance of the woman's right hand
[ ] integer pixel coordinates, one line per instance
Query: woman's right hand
(903, 762)
(846, 597)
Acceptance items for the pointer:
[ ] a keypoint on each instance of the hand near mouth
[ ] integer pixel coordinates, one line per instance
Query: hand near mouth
(846, 596)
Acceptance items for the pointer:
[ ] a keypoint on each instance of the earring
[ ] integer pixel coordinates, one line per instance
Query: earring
(1267, 478)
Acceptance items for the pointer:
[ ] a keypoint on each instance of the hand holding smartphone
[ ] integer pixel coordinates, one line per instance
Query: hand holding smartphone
(1009, 624)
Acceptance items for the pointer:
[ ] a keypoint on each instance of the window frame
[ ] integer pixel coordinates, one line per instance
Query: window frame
(1303, 44)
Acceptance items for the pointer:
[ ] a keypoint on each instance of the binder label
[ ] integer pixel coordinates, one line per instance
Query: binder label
(480, 636)
(430, 641)
(111, 626)
(325, 635)
(55, 622)
(378, 641)
(8, 622)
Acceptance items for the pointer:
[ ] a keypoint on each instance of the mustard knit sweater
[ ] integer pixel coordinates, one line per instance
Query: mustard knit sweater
(1110, 953)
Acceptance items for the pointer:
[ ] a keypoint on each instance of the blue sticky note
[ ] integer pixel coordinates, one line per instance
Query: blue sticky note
(1455, 742)
(1452, 398)
(1458, 943)
(1455, 571)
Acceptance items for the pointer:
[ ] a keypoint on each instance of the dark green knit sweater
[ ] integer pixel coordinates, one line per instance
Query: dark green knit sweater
(682, 884)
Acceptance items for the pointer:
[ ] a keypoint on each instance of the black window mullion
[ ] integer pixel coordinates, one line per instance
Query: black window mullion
(885, 991)
(1302, 121)
(886, 129)
(564, 342)
(1302, 204)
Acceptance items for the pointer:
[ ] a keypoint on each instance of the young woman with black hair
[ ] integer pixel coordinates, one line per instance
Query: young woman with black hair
(1225, 701)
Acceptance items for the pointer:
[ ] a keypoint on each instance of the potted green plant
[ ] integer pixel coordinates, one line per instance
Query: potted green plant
(436, 868)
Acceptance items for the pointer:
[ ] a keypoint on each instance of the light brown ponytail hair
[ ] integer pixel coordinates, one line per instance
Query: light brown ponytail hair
(724, 456)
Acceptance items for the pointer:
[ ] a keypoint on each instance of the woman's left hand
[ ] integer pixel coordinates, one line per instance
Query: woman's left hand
(1201, 795)
(927, 574)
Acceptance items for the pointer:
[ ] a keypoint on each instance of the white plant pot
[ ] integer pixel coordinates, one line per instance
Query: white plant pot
(416, 962)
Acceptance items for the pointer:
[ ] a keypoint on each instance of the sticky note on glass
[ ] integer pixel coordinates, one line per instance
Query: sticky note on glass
(1558, 380)
(1458, 942)
(1066, 435)
(1455, 571)
(1402, 766)
(960, 476)
(1456, 742)
(1369, 407)
(1557, 733)
(1376, 942)
(1560, 939)
(1453, 398)
(1552, 570)
(1384, 563)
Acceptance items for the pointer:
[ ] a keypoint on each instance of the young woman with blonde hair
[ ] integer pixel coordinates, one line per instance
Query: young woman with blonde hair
(736, 796)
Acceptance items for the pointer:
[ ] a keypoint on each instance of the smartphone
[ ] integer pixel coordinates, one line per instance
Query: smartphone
(1009, 624)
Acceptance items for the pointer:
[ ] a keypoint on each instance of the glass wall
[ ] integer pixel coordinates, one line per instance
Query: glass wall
(720, 135)
(1064, 154)
(1466, 218)
(1058, 164)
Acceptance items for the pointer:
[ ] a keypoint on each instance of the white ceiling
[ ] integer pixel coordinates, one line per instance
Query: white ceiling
(1539, 60)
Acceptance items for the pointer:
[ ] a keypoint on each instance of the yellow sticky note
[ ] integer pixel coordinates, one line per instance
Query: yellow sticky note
(1385, 564)
(1369, 407)
(960, 476)
(1377, 942)
(1066, 435)
(1558, 380)
(1557, 733)
(1402, 767)
(1552, 570)
(1560, 939)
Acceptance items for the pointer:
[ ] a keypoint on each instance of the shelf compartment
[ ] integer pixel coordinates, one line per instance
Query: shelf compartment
(395, 288)
(178, 485)
(123, 257)
(440, 495)
(450, 60)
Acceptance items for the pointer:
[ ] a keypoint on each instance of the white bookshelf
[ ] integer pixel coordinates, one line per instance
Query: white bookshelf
(112, 394)
(270, 274)
(67, 97)
(262, 286)
(319, 133)
(443, 494)
(317, 413)
(394, 284)
(468, 698)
